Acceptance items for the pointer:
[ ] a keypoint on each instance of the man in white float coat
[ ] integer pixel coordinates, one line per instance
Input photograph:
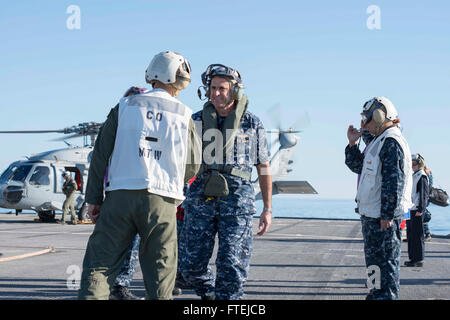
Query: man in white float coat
(148, 141)
(384, 193)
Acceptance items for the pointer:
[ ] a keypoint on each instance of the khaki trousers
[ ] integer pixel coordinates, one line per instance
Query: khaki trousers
(68, 204)
(123, 214)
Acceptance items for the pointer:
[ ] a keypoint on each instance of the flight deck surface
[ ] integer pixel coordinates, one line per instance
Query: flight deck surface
(298, 259)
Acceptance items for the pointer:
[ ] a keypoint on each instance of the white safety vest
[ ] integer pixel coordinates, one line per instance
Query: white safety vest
(151, 146)
(416, 195)
(369, 187)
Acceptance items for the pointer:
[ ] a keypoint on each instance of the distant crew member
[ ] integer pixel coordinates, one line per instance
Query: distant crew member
(384, 193)
(69, 189)
(427, 214)
(221, 200)
(149, 142)
(420, 194)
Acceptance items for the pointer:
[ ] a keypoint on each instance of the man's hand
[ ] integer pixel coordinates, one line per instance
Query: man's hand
(264, 222)
(418, 214)
(94, 212)
(385, 224)
(353, 135)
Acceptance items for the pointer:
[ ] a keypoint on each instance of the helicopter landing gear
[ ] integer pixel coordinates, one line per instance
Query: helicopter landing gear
(47, 216)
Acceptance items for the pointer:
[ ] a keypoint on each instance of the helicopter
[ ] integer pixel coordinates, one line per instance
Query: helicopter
(36, 183)
(281, 165)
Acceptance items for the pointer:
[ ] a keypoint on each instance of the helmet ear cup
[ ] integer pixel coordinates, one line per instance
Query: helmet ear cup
(379, 117)
(238, 92)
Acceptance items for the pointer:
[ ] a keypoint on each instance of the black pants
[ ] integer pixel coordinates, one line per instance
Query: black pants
(415, 235)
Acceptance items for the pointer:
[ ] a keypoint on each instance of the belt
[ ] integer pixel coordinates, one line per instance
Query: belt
(227, 169)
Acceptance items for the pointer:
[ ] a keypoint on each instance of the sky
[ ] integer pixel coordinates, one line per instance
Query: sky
(317, 59)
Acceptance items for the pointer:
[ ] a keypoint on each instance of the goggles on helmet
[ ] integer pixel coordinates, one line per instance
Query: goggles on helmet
(220, 70)
(417, 158)
(186, 66)
(368, 108)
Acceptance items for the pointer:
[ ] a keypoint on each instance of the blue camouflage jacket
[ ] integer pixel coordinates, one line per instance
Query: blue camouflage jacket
(250, 149)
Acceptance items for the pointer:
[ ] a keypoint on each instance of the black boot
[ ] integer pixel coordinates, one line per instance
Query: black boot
(122, 293)
(176, 291)
(414, 263)
(207, 297)
(181, 283)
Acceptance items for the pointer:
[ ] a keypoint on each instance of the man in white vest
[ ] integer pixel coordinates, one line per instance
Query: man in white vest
(384, 193)
(149, 145)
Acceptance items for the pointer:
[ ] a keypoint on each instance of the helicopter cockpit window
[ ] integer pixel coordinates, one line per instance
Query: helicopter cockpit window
(21, 173)
(40, 176)
(7, 174)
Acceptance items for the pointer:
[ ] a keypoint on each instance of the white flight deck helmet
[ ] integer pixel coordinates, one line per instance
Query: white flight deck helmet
(165, 67)
(417, 157)
(372, 109)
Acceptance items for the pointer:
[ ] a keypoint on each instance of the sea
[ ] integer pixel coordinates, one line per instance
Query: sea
(344, 209)
(291, 207)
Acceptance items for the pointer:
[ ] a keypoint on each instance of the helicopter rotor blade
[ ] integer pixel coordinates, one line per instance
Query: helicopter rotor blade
(275, 116)
(302, 121)
(86, 129)
(291, 131)
(75, 135)
(33, 131)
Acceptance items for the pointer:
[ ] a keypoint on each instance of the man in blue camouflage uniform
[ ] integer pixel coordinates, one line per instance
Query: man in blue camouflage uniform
(383, 190)
(222, 199)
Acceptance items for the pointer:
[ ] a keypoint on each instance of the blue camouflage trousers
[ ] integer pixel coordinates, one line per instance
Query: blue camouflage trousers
(128, 269)
(233, 257)
(382, 248)
(181, 242)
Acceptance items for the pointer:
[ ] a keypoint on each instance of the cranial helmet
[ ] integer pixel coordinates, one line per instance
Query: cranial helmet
(379, 109)
(165, 67)
(419, 159)
(65, 174)
(221, 70)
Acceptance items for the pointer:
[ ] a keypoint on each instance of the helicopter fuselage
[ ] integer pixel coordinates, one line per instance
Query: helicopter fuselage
(36, 183)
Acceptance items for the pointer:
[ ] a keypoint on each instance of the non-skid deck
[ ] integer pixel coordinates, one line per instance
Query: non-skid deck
(297, 259)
